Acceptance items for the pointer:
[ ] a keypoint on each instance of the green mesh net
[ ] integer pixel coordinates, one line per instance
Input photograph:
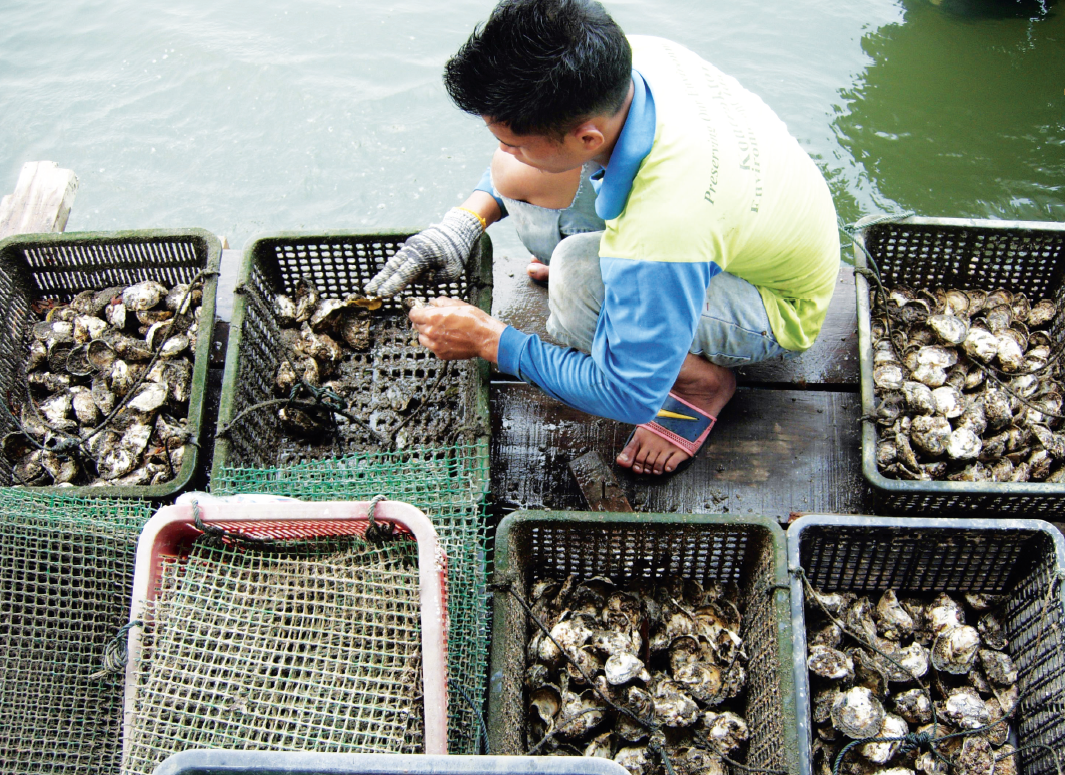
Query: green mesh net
(449, 485)
(66, 575)
(310, 645)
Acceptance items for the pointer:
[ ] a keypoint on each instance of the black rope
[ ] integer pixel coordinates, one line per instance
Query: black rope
(220, 534)
(321, 398)
(481, 728)
(116, 653)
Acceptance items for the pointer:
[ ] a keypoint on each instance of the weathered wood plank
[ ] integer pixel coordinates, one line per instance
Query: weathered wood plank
(772, 452)
(831, 362)
(598, 485)
(41, 202)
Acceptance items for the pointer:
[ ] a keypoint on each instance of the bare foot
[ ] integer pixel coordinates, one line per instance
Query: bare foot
(538, 270)
(701, 383)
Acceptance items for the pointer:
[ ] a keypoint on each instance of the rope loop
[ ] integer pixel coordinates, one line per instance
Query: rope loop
(378, 533)
(220, 535)
(116, 653)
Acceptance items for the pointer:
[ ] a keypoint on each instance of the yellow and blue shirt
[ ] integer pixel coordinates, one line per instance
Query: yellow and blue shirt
(704, 178)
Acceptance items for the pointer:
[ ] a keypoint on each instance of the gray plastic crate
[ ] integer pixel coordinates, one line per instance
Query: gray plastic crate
(956, 253)
(1021, 558)
(36, 267)
(266, 763)
(748, 551)
(340, 263)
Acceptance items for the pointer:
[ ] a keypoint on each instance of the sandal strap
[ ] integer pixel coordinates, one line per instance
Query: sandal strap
(681, 424)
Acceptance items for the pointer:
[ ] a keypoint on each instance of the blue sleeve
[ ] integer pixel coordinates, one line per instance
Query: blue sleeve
(646, 327)
(486, 186)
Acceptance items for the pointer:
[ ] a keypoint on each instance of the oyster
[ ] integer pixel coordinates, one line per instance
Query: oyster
(949, 328)
(914, 706)
(955, 650)
(881, 753)
(725, 731)
(830, 664)
(975, 758)
(857, 713)
(143, 295)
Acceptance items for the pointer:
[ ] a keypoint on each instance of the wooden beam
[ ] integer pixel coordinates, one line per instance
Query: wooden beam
(42, 200)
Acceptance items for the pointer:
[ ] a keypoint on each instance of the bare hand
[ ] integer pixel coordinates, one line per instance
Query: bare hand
(455, 330)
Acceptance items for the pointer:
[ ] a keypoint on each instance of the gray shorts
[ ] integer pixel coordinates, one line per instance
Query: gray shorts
(733, 330)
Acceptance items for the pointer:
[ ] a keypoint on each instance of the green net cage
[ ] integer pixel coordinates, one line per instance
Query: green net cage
(449, 484)
(66, 575)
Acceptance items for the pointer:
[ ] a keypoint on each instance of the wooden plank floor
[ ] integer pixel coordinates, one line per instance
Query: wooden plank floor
(773, 452)
(788, 442)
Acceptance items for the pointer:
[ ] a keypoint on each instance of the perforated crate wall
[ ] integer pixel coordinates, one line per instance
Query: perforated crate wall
(39, 267)
(746, 551)
(957, 253)
(454, 394)
(1023, 559)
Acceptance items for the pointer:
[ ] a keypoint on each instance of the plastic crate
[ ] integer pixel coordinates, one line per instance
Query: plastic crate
(168, 538)
(256, 763)
(35, 267)
(956, 253)
(1024, 559)
(749, 551)
(340, 264)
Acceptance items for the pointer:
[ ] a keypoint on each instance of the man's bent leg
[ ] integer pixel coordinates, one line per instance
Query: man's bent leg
(575, 295)
(733, 331)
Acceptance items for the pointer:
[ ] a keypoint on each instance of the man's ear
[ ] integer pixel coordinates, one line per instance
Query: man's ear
(590, 136)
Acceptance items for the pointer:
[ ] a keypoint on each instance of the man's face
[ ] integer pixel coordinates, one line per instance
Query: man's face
(540, 151)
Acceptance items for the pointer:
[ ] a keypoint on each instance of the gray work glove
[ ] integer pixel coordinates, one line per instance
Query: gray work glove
(437, 255)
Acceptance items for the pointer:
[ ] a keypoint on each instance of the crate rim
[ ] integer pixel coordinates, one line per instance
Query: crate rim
(504, 572)
(200, 364)
(798, 614)
(481, 295)
(216, 761)
(873, 477)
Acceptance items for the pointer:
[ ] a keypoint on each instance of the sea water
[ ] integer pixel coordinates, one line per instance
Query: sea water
(244, 117)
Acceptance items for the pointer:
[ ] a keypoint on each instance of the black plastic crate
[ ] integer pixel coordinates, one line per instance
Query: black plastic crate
(747, 551)
(1022, 559)
(38, 267)
(956, 253)
(453, 394)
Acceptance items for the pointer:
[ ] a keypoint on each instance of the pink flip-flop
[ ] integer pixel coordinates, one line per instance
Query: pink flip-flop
(682, 425)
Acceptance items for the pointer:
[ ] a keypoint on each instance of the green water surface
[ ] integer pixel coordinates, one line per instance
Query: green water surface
(243, 117)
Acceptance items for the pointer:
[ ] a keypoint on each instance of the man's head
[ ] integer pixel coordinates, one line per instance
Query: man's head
(542, 67)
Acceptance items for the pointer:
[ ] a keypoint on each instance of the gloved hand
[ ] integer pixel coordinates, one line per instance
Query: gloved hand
(439, 254)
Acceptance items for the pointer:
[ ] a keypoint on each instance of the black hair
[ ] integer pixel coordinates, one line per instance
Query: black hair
(542, 66)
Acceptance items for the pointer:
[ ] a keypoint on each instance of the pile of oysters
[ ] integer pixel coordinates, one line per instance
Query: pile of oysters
(955, 646)
(125, 352)
(316, 336)
(668, 652)
(939, 416)
(319, 341)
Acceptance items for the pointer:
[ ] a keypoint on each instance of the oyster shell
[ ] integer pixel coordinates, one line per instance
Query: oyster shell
(998, 667)
(882, 753)
(955, 650)
(857, 713)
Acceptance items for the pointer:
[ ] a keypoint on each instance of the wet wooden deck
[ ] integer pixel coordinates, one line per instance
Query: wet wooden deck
(789, 442)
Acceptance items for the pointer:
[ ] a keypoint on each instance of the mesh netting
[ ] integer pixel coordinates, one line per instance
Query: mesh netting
(66, 575)
(311, 646)
(449, 485)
